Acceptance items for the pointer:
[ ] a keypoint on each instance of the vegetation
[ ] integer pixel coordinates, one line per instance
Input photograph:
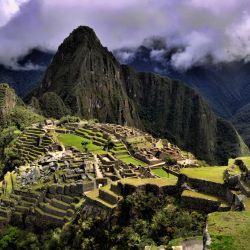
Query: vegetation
(204, 196)
(245, 159)
(130, 160)
(8, 158)
(76, 141)
(161, 173)
(144, 219)
(169, 160)
(22, 117)
(68, 118)
(214, 174)
(229, 230)
(154, 181)
(53, 106)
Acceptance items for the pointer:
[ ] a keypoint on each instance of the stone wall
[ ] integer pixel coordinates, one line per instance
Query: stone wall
(199, 204)
(71, 189)
(108, 197)
(127, 189)
(205, 186)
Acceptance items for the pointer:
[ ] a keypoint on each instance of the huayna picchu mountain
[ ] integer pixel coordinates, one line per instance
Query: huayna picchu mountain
(85, 79)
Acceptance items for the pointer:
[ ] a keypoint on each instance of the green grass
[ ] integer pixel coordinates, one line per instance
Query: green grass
(229, 230)
(129, 159)
(245, 159)
(161, 173)
(247, 204)
(153, 181)
(10, 180)
(234, 171)
(189, 193)
(76, 141)
(214, 174)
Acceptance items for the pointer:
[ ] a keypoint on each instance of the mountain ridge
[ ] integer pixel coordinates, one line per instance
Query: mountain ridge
(88, 81)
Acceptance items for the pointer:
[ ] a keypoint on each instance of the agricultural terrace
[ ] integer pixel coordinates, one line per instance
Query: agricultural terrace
(214, 174)
(128, 159)
(204, 196)
(86, 141)
(245, 159)
(159, 182)
(229, 230)
(76, 141)
(162, 173)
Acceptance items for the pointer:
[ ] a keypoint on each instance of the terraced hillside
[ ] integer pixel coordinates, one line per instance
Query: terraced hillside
(32, 144)
(109, 196)
(39, 207)
(92, 140)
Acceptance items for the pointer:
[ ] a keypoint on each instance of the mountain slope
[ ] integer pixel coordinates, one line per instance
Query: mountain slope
(226, 85)
(85, 79)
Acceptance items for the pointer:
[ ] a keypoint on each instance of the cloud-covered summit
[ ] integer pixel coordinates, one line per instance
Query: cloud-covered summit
(219, 30)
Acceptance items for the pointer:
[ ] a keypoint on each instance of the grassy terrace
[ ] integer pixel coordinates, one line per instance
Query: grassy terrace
(214, 174)
(76, 141)
(247, 204)
(128, 159)
(229, 230)
(204, 196)
(94, 195)
(161, 173)
(154, 181)
(245, 159)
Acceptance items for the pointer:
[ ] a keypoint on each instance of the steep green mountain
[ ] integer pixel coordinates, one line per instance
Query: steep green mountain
(242, 122)
(7, 103)
(13, 111)
(15, 116)
(224, 85)
(85, 79)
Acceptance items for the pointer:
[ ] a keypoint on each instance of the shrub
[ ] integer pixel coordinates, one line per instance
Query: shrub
(169, 160)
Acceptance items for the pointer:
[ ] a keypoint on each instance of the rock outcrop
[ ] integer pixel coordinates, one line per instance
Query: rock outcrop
(86, 80)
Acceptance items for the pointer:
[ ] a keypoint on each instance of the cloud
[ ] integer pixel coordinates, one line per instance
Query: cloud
(125, 56)
(203, 29)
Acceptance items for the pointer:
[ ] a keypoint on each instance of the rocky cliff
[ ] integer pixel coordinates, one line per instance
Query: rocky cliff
(85, 79)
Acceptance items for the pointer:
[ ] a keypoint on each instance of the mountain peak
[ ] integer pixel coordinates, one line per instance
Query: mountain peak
(84, 79)
(81, 36)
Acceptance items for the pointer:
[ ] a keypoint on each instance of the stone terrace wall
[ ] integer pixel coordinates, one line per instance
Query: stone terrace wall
(209, 187)
(127, 189)
(71, 189)
(199, 204)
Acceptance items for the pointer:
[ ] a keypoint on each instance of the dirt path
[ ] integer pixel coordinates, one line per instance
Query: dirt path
(192, 245)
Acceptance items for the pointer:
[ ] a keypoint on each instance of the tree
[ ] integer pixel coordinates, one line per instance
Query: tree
(170, 161)
(85, 144)
(6, 136)
(109, 145)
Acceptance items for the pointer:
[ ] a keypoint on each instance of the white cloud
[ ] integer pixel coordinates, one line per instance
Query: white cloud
(219, 29)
